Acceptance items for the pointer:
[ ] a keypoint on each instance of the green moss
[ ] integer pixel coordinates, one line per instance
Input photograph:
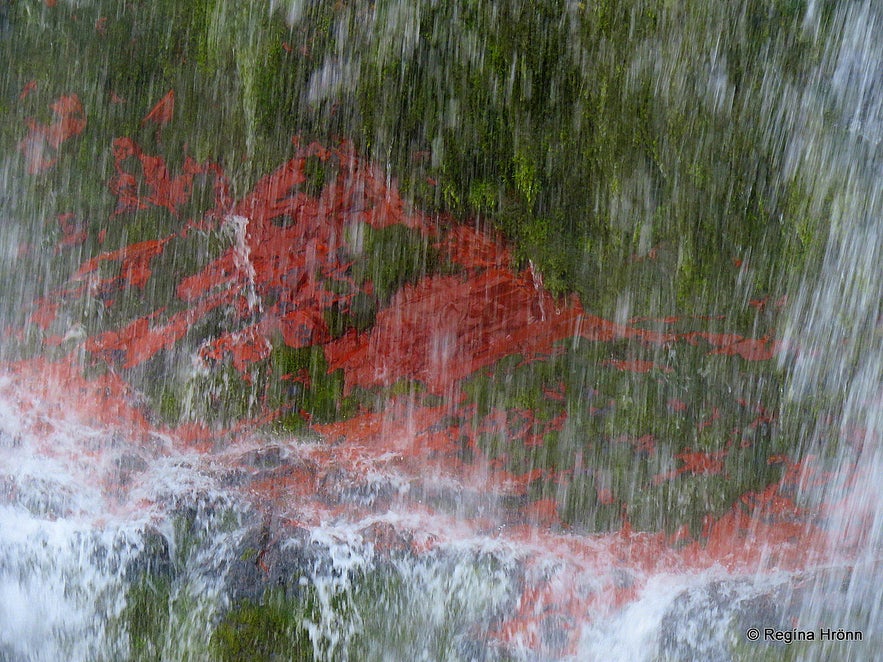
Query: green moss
(273, 629)
(318, 172)
(169, 406)
(359, 314)
(301, 383)
(146, 617)
(483, 197)
(392, 257)
(525, 175)
(220, 394)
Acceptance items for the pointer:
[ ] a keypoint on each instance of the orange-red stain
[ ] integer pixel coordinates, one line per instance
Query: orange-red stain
(163, 112)
(636, 365)
(163, 190)
(40, 147)
(29, 87)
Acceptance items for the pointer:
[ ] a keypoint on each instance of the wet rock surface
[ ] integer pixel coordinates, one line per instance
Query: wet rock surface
(266, 561)
(302, 397)
(708, 622)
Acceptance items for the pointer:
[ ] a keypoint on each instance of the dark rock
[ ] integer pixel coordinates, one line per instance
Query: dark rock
(338, 486)
(44, 497)
(704, 621)
(388, 539)
(556, 632)
(153, 560)
(126, 466)
(8, 489)
(233, 477)
(269, 559)
(268, 457)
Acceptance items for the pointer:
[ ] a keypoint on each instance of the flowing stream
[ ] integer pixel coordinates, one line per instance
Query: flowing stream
(217, 524)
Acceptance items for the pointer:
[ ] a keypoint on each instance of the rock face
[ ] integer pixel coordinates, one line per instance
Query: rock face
(190, 302)
(692, 626)
(271, 560)
(324, 352)
(326, 304)
(323, 397)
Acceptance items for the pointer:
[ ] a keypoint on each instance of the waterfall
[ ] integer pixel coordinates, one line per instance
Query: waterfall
(469, 331)
(835, 323)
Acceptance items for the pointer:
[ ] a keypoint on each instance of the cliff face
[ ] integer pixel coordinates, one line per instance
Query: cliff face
(324, 350)
(562, 334)
(320, 303)
(290, 287)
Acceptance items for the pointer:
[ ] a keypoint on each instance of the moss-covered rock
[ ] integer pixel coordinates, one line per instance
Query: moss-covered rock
(273, 629)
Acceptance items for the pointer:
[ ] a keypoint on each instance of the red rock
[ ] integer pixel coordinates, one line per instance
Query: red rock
(134, 262)
(762, 349)
(484, 318)
(164, 110)
(139, 340)
(245, 347)
(60, 387)
(163, 190)
(543, 512)
(475, 250)
(635, 365)
(72, 230)
(40, 147)
(301, 328)
(29, 87)
(45, 313)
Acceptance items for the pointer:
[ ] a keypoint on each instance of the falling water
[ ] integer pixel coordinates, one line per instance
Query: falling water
(265, 398)
(836, 334)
